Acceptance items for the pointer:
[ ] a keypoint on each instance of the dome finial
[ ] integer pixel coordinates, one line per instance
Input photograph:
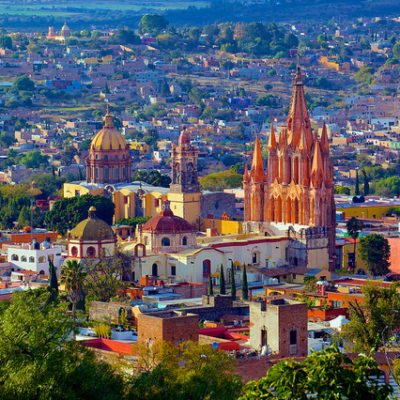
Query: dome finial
(92, 212)
(108, 119)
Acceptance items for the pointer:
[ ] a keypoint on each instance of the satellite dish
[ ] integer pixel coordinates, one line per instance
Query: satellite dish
(215, 345)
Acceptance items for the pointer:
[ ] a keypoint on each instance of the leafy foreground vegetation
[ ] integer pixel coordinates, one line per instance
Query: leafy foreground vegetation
(38, 360)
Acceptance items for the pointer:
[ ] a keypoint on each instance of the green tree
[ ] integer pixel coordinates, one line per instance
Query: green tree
(354, 226)
(53, 285)
(103, 280)
(24, 217)
(210, 290)
(191, 371)
(374, 249)
(396, 51)
(5, 42)
(233, 283)
(38, 360)
(366, 183)
(342, 190)
(245, 287)
(165, 91)
(373, 321)
(68, 212)
(222, 281)
(23, 83)
(34, 159)
(325, 375)
(221, 180)
(72, 277)
(152, 23)
(357, 185)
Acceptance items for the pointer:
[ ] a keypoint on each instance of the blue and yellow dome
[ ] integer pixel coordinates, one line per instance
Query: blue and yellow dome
(108, 138)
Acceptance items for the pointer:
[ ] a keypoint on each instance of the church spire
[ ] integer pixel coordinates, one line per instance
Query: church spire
(257, 165)
(324, 140)
(317, 169)
(246, 174)
(272, 138)
(298, 114)
(303, 142)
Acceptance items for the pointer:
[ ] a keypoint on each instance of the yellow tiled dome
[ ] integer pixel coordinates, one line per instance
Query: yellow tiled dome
(108, 138)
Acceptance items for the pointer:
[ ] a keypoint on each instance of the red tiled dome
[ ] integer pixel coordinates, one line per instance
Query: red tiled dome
(184, 137)
(167, 222)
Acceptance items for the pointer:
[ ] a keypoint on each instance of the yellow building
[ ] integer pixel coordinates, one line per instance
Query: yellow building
(142, 147)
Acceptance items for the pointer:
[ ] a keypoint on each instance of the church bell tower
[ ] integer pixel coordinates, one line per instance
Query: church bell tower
(185, 194)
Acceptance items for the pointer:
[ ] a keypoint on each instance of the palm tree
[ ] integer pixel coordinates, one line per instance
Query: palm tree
(72, 276)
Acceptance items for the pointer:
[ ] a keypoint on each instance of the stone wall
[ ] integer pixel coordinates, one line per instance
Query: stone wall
(100, 311)
(216, 204)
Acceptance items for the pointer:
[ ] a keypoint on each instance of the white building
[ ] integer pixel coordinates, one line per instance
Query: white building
(34, 258)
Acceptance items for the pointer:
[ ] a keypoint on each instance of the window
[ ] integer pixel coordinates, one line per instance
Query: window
(115, 173)
(91, 251)
(184, 241)
(106, 157)
(123, 172)
(125, 199)
(23, 259)
(42, 259)
(165, 241)
(154, 270)
(31, 259)
(146, 240)
(74, 251)
(14, 257)
(173, 270)
(97, 156)
(97, 173)
(41, 272)
(206, 267)
(106, 173)
(123, 156)
(293, 337)
(115, 157)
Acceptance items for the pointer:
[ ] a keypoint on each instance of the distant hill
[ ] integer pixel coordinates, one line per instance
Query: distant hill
(39, 14)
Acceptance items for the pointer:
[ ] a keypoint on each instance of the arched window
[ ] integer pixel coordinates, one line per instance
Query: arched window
(23, 258)
(106, 157)
(115, 173)
(293, 337)
(41, 272)
(42, 259)
(97, 156)
(154, 270)
(115, 157)
(31, 259)
(165, 241)
(123, 156)
(106, 173)
(206, 267)
(14, 257)
(91, 251)
(255, 257)
(74, 251)
(184, 241)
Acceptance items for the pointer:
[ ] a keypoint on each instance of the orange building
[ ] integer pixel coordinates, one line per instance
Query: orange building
(297, 188)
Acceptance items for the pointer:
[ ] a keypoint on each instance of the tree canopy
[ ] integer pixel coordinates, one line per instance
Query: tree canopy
(372, 322)
(38, 360)
(68, 212)
(152, 23)
(374, 249)
(324, 375)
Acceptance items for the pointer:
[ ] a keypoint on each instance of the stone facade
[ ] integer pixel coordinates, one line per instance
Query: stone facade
(170, 326)
(216, 204)
(281, 325)
(100, 310)
(297, 189)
